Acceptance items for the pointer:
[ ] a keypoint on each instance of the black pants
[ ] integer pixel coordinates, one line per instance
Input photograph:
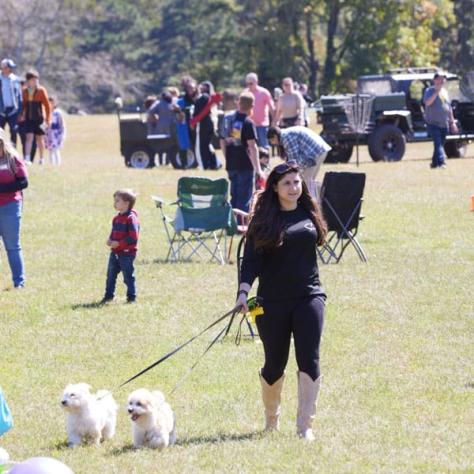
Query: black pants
(12, 123)
(208, 157)
(304, 319)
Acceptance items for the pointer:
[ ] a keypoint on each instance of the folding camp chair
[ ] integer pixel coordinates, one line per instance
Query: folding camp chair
(341, 201)
(203, 220)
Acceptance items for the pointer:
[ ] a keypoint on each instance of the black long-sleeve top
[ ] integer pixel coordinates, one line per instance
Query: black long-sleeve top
(291, 270)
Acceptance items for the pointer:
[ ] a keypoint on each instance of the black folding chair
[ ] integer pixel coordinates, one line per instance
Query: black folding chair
(341, 202)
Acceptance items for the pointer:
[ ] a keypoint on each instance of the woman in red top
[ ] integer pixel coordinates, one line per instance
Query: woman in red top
(35, 115)
(13, 179)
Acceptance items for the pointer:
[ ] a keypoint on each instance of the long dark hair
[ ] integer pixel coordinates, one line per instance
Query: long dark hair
(266, 226)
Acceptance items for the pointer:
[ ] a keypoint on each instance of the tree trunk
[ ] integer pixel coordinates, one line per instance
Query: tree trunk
(330, 63)
(312, 60)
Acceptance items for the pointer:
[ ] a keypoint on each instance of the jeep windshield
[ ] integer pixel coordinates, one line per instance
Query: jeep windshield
(454, 91)
(375, 86)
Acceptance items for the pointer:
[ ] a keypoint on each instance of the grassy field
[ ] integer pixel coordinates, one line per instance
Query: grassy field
(397, 353)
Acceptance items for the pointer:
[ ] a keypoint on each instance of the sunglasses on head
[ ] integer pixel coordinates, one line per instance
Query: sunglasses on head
(286, 167)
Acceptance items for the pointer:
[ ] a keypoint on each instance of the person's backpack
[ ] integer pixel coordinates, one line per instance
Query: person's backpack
(6, 421)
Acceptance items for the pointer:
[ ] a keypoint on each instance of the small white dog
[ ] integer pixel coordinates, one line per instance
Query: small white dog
(90, 417)
(153, 420)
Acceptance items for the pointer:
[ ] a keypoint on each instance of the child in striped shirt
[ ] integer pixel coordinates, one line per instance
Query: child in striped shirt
(123, 242)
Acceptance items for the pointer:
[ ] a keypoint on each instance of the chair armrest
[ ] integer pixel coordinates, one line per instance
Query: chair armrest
(161, 202)
(158, 201)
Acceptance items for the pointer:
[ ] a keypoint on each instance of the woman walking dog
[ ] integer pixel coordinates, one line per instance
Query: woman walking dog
(284, 230)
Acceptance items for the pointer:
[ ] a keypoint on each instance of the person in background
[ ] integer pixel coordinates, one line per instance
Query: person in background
(229, 101)
(284, 230)
(174, 92)
(264, 158)
(162, 112)
(13, 179)
(186, 135)
(10, 98)
(56, 133)
(36, 114)
(238, 139)
(305, 147)
(290, 106)
(263, 109)
(22, 132)
(205, 126)
(308, 101)
(439, 118)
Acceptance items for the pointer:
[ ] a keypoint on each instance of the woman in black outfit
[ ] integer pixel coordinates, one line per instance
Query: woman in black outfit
(284, 230)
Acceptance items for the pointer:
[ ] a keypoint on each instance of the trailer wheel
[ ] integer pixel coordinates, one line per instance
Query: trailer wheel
(387, 143)
(140, 158)
(455, 148)
(339, 154)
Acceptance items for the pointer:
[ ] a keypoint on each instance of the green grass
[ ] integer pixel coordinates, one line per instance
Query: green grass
(397, 352)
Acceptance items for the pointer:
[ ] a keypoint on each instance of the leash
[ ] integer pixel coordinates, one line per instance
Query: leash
(226, 329)
(223, 331)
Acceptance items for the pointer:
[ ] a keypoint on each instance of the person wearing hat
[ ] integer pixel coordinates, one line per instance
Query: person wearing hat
(36, 114)
(10, 97)
(439, 118)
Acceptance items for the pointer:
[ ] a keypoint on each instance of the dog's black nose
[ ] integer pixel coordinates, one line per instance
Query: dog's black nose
(130, 410)
(63, 402)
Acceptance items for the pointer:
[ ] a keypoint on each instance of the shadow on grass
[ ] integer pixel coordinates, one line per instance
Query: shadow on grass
(219, 438)
(61, 446)
(197, 440)
(91, 305)
(123, 450)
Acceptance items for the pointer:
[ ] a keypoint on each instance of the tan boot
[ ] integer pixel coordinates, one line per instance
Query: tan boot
(308, 391)
(271, 396)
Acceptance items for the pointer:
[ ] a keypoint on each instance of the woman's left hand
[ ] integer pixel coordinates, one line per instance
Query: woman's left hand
(242, 302)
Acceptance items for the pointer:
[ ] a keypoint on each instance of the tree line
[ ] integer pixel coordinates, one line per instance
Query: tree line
(89, 51)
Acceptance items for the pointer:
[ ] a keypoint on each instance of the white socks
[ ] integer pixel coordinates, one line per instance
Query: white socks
(55, 157)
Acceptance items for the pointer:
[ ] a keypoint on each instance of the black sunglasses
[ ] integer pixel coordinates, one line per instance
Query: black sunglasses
(286, 167)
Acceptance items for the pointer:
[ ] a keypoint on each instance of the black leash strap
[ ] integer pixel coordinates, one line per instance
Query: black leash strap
(231, 313)
(225, 329)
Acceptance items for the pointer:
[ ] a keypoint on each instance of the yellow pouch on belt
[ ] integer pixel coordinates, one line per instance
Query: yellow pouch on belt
(255, 309)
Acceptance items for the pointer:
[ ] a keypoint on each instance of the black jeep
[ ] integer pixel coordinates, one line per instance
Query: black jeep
(393, 115)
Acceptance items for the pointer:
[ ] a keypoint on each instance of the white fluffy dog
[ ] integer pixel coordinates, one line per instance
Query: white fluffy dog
(90, 417)
(153, 421)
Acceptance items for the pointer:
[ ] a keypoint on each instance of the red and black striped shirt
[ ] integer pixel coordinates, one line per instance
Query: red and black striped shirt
(125, 230)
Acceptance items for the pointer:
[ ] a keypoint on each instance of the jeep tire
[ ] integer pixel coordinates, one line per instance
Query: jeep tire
(387, 143)
(455, 148)
(140, 157)
(339, 154)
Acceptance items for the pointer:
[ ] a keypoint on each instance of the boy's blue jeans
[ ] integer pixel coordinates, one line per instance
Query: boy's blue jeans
(117, 264)
(438, 134)
(10, 218)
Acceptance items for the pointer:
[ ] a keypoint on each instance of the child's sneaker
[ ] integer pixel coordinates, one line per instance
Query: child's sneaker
(131, 300)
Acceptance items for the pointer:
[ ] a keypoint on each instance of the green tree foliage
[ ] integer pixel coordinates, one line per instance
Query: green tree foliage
(456, 39)
(92, 50)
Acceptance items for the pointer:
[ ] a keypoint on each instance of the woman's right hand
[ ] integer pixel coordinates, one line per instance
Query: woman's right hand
(242, 302)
